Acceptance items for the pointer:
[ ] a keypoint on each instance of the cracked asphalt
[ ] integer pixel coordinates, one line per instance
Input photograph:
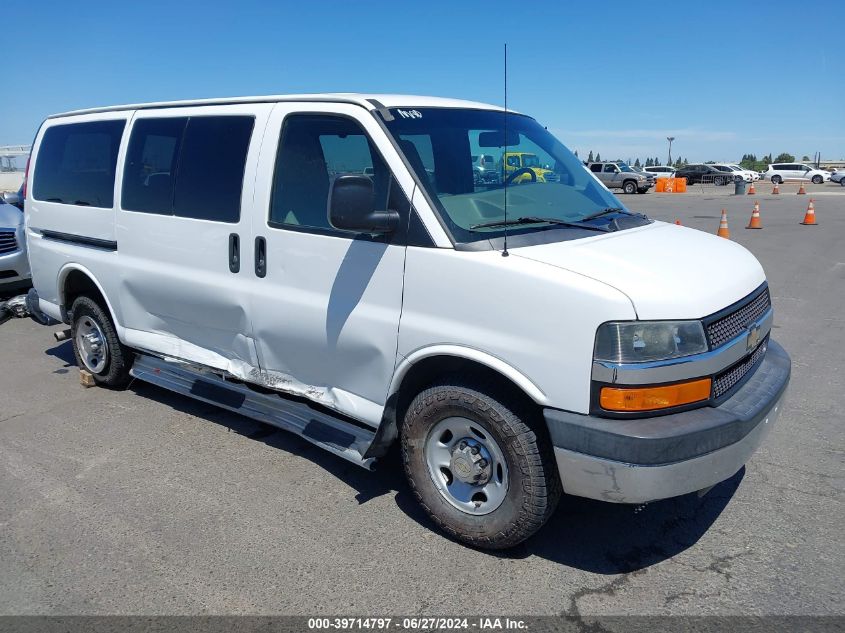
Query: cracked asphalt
(143, 502)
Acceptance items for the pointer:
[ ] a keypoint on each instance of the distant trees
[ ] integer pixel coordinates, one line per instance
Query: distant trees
(649, 162)
(637, 163)
(590, 158)
(785, 158)
(576, 153)
(805, 158)
(598, 157)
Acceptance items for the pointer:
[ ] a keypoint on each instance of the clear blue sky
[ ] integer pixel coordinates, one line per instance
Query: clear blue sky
(613, 77)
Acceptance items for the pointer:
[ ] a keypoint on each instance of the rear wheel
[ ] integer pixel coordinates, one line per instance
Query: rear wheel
(817, 180)
(96, 346)
(481, 467)
(718, 181)
(776, 180)
(629, 186)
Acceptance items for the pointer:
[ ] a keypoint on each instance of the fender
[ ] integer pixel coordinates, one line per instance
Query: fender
(469, 353)
(62, 277)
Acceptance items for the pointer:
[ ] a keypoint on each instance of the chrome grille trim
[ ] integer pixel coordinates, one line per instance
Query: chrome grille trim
(729, 378)
(8, 242)
(724, 328)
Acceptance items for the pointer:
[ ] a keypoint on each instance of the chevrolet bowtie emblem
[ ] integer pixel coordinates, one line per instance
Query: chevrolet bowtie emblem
(753, 337)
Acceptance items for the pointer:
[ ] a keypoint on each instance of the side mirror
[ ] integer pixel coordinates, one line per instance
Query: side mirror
(13, 198)
(351, 207)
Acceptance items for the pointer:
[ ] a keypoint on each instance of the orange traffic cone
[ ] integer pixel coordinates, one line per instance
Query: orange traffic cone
(776, 190)
(754, 223)
(801, 190)
(723, 226)
(751, 190)
(678, 222)
(810, 216)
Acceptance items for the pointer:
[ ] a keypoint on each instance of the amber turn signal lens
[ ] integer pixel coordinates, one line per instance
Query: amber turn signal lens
(651, 398)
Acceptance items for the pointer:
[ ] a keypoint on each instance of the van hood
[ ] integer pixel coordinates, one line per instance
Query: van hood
(667, 271)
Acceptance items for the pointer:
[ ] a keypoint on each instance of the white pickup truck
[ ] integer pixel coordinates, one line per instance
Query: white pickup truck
(329, 264)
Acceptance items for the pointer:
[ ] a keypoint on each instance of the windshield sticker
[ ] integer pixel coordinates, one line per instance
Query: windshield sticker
(410, 114)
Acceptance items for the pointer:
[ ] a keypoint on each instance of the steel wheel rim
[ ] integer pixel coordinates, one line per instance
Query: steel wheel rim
(452, 466)
(91, 344)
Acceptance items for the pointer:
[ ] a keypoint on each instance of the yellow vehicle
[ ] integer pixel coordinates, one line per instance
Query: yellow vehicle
(528, 164)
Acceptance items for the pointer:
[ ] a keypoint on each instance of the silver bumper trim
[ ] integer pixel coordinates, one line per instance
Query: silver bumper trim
(617, 482)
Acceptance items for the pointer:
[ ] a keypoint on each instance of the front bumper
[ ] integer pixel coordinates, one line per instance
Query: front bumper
(645, 459)
(14, 266)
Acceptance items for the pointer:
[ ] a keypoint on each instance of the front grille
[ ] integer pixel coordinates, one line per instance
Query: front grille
(725, 381)
(732, 325)
(8, 243)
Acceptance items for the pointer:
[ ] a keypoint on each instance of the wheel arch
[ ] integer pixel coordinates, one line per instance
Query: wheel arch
(423, 367)
(75, 280)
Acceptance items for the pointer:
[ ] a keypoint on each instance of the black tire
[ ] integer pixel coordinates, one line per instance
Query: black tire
(776, 180)
(116, 370)
(718, 181)
(533, 484)
(629, 186)
(817, 180)
(842, 182)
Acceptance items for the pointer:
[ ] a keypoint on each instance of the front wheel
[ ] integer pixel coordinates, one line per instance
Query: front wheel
(776, 180)
(629, 187)
(817, 180)
(842, 182)
(481, 467)
(96, 346)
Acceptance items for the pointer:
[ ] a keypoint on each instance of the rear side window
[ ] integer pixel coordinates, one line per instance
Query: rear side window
(76, 163)
(188, 167)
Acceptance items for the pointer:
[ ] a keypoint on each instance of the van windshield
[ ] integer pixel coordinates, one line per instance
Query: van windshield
(541, 177)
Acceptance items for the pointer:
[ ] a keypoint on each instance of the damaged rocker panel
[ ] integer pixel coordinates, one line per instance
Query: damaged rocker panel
(338, 436)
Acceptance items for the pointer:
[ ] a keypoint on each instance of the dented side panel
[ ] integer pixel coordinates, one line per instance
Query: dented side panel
(176, 291)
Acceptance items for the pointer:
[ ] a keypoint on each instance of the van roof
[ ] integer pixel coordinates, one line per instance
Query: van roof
(368, 101)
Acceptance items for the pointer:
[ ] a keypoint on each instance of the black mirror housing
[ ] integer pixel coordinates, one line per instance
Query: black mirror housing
(351, 207)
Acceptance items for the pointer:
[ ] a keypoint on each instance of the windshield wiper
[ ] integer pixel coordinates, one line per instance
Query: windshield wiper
(606, 211)
(531, 219)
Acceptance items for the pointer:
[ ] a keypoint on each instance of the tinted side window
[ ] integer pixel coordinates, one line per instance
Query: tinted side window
(211, 168)
(189, 167)
(149, 177)
(595, 168)
(610, 169)
(76, 163)
(313, 150)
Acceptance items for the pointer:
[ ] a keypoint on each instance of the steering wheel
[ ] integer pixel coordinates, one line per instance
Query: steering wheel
(517, 173)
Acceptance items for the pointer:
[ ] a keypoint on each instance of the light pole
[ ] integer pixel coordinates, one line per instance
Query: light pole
(670, 139)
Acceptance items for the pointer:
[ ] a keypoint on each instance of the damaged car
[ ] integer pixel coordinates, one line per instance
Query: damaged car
(328, 264)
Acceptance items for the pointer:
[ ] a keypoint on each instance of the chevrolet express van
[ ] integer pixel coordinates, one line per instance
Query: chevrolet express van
(329, 264)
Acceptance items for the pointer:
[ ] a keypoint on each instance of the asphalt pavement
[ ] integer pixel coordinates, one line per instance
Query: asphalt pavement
(140, 501)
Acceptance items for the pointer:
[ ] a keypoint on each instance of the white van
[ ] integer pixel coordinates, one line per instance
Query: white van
(329, 264)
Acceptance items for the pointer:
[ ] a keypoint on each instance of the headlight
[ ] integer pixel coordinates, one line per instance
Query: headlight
(642, 341)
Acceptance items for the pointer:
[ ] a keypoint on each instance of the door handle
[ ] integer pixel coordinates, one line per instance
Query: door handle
(260, 257)
(234, 253)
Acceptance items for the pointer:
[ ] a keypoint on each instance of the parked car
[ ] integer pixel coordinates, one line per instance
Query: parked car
(621, 176)
(699, 173)
(778, 172)
(484, 169)
(754, 175)
(603, 358)
(736, 173)
(14, 266)
(661, 171)
(838, 175)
